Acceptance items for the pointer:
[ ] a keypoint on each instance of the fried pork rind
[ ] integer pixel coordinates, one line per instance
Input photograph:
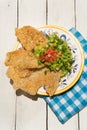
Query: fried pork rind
(37, 79)
(52, 82)
(22, 59)
(23, 67)
(30, 38)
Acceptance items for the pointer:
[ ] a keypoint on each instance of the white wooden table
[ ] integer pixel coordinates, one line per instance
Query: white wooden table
(21, 112)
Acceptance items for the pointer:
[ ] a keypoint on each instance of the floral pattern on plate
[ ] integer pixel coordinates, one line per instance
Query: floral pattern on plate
(78, 58)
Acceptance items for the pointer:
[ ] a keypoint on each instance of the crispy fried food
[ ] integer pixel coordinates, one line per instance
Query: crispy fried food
(22, 59)
(30, 37)
(52, 82)
(29, 84)
(22, 73)
(24, 69)
(37, 79)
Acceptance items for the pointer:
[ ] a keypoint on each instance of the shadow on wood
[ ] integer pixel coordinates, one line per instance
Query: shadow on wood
(20, 92)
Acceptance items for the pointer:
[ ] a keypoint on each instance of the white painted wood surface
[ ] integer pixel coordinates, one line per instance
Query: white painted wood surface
(19, 111)
(7, 40)
(63, 15)
(31, 114)
(81, 17)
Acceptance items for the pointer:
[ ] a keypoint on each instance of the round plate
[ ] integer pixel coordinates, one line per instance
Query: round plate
(71, 78)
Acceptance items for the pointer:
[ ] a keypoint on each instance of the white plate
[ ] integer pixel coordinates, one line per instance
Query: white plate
(71, 78)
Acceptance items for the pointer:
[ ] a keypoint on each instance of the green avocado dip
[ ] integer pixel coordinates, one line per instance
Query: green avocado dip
(56, 55)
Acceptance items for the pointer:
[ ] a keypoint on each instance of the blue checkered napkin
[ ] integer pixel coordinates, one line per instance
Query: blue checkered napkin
(71, 102)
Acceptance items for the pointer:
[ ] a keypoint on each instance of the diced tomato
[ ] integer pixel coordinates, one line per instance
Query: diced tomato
(50, 55)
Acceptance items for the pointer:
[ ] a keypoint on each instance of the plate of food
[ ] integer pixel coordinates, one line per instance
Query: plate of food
(45, 61)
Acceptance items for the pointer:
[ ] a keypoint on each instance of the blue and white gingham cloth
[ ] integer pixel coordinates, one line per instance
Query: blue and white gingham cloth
(71, 102)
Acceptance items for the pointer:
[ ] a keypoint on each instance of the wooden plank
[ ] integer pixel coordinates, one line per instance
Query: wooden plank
(81, 16)
(7, 38)
(31, 114)
(53, 122)
(81, 23)
(62, 14)
(32, 12)
(83, 119)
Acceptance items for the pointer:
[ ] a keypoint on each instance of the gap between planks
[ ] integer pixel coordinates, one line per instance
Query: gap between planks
(46, 103)
(17, 24)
